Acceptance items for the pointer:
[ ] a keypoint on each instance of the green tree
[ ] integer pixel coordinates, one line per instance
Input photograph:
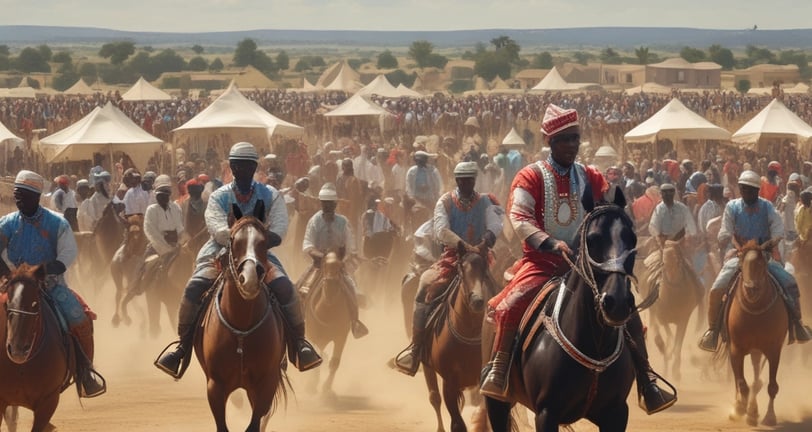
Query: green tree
(246, 53)
(355, 63)
(692, 54)
(31, 60)
(4, 50)
(198, 63)
(642, 55)
(66, 77)
(420, 51)
(168, 61)
(141, 64)
(386, 60)
(543, 60)
(302, 65)
(5, 62)
(743, 86)
(197, 49)
(582, 57)
(508, 46)
(216, 65)
(756, 55)
(117, 52)
(62, 57)
(399, 76)
(610, 56)
(437, 60)
(798, 58)
(45, 51)
(722, 56)
(317, 61)
(282, 60)
(491, 64)
(88, 72)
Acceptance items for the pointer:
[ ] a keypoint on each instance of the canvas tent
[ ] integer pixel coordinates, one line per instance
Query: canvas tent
(676, 122)
(357, 106)
(774, 122)
(105, 130)
(404, 91)
(232, 110)
(142, 90)
(380, 86)
(80, 88)
(648, 87)
(513, 138)
(553, 81)
(346, 80)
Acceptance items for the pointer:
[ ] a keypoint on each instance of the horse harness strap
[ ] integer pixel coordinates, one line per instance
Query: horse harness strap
(755, 312)
(553, 326)
(241, 334)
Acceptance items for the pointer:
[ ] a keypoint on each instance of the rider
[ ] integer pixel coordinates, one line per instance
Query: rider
(93, 207)
(245, 193)
(193, 208)
(423, 182)
(64, 200)
(37, 236)
(461, 217)
(545, 210)
(163, 226)
(326, 232)
(751, 218)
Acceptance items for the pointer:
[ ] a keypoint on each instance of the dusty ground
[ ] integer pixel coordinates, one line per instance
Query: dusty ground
(370, 396)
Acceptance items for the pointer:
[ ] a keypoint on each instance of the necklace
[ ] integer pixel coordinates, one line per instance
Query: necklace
(565, 204)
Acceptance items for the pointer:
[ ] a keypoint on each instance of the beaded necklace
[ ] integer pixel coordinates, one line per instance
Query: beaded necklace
(566, 203)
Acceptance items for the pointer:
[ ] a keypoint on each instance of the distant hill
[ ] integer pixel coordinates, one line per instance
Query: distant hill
(571, 38)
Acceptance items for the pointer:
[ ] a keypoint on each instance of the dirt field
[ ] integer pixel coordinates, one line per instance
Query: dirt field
(370, 395)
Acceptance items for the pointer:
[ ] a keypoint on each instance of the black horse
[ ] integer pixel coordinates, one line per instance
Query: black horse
(581, 366)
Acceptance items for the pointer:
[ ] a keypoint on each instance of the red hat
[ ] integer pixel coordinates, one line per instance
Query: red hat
(557, 119)
(62, 180)
(203, 178)
(193, 182)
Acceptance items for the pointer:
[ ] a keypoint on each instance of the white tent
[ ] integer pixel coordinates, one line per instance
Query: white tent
(18, 93)
(347, 80)
(553, 81)
(104, 130)
(513, 138)
(232, 110)
(358, 105)
(775, 121)
(676, 122)
(380, 86)
(648, 87)
(404, 91)
(80, 88)
(144, 91)
(310, 87)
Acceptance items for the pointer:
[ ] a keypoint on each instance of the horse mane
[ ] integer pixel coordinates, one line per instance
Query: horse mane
(25, 273)
(749, 246)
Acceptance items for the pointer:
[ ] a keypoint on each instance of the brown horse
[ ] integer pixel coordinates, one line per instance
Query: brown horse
(757, 324)
(122, 265)
(456, 338)
(327, 315)
(241, 342)
(679, 294)
(34, 367)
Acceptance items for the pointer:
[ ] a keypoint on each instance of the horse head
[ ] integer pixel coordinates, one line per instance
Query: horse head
(247, 257)
(332, 265)
(607, 253)
(136, 239)
(673, 258)
(754, 272)
(475, 282)
(22, 310)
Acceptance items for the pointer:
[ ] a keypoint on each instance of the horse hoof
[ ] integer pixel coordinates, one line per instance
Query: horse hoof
(752, 421)
(127, 321)
(116, 321)
(769, 420)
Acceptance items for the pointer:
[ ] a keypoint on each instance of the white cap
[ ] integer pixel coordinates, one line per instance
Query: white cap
(466, 169)
(29, 180)
(150, 175)
(667, 187)
(328, 193)
(82, 182)
(163, 182)
(750, 178)
(243, 151)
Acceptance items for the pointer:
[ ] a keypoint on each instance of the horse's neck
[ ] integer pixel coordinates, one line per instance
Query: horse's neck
(579, 320)
(463, 317)
(239, 312)
(332, 289)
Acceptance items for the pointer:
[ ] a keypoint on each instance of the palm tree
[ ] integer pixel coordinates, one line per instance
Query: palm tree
(642, 55)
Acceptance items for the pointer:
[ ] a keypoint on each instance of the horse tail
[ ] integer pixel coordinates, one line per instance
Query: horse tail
(281, 393)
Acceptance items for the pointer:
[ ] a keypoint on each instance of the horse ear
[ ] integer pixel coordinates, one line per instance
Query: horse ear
(461, 248)
(259, 210)
(770, 244)
(588, 201)
(620, 197)
(39, 272)
(234, 215)
(679, 236)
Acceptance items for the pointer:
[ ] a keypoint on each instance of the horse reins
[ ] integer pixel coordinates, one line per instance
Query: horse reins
(38, 335)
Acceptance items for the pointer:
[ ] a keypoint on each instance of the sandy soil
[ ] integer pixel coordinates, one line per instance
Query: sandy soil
(369, 395)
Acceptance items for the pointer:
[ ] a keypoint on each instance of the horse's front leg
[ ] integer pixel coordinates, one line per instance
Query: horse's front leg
(742, 390)
(434, 394)
(499, 415)
(43, 411)
(613, 418)
(335, 362)
(117, 274)
(772, 388)
(547, 421)
(752, 403)
(217, 404)
(452, 393)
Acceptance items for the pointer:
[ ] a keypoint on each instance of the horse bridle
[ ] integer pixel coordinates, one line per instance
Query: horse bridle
(37, 324)
(232, 268)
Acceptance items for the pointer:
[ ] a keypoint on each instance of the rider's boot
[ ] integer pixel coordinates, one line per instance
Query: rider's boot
(495, 382)
(801, 331)
(91, 384)
(710, 340)
(651, 397)
(409, 360)
(170, 362)
(358, 328)
(300, 351)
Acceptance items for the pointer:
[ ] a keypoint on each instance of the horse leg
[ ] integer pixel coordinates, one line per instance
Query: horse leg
(335, 361)
(152, 297)
(43, 411)
(116, 272)
(499, 415)
(546, 422)
(772, 388)
(434, 394)
(260, 408)
(217, 404)
(453, 403)
(614, 419)
(742, 390)
(752, 404)
(676, 364)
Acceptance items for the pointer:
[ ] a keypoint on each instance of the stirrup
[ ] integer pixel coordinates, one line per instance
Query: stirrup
(653, 399)
(495, 382)
(166, 361)
(803, 333)
(408, 361)
(709, 341)
(359, 330)
(303, 346)
(92, 384)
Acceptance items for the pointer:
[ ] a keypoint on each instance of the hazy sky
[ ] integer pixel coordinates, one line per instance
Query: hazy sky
(220, 15)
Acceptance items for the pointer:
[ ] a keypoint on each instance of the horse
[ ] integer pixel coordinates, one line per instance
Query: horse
(121, 266)
(757, 324)
(678, 293)
(241, 342)
(36, 365)
(378, 249)
(581, 366)
(327, 315)
(170, 292)
(456, 337)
